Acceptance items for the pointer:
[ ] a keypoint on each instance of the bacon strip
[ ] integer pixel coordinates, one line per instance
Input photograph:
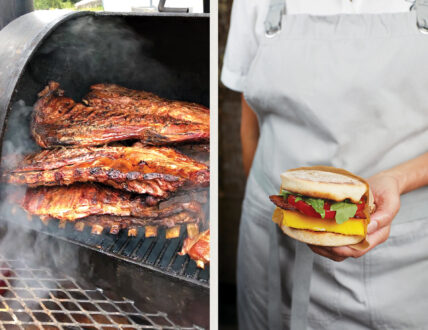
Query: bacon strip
(282, 203)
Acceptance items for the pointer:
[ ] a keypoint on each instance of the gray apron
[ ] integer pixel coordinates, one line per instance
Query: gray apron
(349, 91)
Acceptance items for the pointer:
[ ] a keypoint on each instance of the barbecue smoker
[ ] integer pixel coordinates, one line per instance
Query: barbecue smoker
(78, 279)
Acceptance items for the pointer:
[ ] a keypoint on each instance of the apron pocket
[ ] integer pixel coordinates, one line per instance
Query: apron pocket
(398, 278)
(324, 294)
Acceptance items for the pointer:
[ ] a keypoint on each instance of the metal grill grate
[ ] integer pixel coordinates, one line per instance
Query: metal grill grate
(37, 298)
(156, 253)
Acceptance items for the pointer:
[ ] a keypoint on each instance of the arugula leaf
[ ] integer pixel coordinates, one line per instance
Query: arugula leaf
(317, 204)
(344, 211)
(285, 194)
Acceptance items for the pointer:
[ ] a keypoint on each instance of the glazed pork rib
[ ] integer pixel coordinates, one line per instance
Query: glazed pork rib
(85, 200)
(145, 170)
(111, 96)
(59, 121)
(198, 248)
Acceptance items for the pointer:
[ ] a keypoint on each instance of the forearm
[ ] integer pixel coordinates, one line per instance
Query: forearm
(410, 175)
(249, 135)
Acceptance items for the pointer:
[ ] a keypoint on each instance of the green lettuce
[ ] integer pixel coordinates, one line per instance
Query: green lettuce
(344, 211)
(317, 204)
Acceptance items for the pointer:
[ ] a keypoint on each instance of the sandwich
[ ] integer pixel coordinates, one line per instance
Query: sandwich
(323, 205)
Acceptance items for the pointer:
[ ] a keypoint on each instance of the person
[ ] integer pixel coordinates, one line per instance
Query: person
(340, 83)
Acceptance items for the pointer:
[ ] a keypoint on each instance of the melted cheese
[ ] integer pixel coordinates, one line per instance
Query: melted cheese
(297, 220)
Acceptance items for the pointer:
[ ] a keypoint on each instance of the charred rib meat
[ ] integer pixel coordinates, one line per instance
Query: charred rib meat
(198, 152)
(115, 223)
(59, 121)
(83, 200)
(111, 96)
(144, 170)
(198, 248)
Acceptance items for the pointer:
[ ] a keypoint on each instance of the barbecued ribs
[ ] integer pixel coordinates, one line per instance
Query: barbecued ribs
(115, 223)
(198, 152)
(59, 121)
(198, 248)
(111, 96)
(145, 170)
(79, 201)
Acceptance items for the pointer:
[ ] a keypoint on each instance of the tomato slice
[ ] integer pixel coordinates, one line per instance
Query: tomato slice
(308, 210)
(303, 207)
(360, 210)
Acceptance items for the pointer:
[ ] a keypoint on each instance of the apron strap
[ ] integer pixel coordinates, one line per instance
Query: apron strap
(421, 7)
(302, 272)
(274, 17)
(274, 280)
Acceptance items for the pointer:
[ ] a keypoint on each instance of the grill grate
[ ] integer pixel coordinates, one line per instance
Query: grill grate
(156, 253)
(37, 298)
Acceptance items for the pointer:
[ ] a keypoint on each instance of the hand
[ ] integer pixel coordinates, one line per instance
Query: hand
(386, 193)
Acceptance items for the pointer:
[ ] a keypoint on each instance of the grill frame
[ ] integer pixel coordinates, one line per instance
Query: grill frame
(23, 38)
(27, 35)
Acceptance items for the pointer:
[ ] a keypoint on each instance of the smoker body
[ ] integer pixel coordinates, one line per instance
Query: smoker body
(11, 9)
(167, 54)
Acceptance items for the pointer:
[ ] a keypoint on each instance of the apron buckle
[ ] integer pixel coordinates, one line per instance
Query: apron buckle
(421, 7)
(273, 22)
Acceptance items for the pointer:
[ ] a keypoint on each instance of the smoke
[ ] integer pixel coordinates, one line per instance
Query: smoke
(85, 51)
(18, 241)
(163, 55)
(18, 139)
(35, 249)
(30, 257)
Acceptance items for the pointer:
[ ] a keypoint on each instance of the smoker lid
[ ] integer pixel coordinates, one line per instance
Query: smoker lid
(21, 38)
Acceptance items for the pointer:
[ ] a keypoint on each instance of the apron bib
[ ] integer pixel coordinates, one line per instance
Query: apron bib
(348, 91)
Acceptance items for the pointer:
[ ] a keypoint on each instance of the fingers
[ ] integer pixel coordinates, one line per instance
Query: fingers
(387, 206)
(378, 237)
(372, 226)
(325, 252)
(341, 253)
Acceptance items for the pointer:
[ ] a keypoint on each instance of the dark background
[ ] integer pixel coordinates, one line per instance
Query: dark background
(231, 184)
